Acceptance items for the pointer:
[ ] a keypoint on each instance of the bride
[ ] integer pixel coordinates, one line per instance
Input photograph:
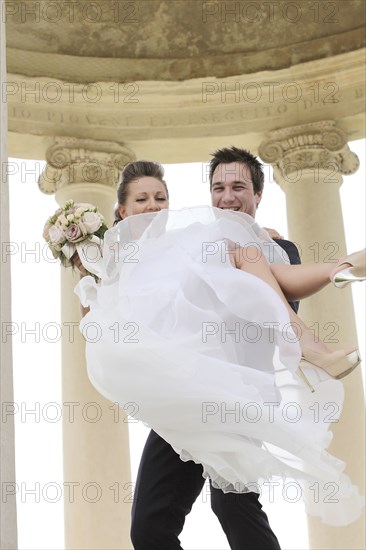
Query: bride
(196, 329)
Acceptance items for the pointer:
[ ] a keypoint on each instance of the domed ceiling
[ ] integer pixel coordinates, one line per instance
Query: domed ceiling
(122, 40)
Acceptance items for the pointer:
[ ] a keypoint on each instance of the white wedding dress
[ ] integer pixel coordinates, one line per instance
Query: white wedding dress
(207, 356)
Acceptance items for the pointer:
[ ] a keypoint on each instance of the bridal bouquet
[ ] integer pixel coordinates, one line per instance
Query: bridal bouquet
(77, 227)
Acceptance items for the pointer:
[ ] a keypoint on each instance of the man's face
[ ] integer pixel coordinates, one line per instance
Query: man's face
(232, 189)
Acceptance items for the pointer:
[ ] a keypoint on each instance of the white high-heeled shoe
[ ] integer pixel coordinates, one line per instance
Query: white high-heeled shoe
(356, 270)
(337, 364)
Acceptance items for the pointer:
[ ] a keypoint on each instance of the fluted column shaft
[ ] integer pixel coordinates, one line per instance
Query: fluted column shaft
(8, 517)
(95, 431)
(308, 162)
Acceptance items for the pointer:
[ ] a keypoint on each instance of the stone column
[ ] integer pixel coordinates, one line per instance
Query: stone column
(309, 161)
(8, 521)
(95, 433)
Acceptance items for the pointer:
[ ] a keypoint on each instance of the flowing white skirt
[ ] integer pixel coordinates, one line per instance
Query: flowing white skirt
(205, 355)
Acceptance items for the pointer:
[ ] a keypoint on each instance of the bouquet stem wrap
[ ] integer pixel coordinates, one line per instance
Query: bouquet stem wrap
(90, 254)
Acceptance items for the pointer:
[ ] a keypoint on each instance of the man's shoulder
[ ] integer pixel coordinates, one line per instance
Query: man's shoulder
(291, 250)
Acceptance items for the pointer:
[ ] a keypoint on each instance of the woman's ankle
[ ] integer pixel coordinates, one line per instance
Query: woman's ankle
(307, 341)
(341, 264)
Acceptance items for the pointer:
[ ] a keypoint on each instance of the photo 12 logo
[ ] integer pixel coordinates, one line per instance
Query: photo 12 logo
(55, 91)
(52, 332)
(270, 11)
(269, 92)
(68, 411)
(48, 11)
(68, 491)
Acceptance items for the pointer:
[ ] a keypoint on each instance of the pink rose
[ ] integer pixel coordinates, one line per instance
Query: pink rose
(56, 235)
(91, 221)
(74, 233)
(46, 231)
(56, 215)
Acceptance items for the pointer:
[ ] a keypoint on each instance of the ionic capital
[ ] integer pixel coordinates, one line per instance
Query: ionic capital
(315, 146)
(71, 161)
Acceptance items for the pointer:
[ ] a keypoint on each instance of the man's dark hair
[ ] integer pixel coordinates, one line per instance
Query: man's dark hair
(234, 154)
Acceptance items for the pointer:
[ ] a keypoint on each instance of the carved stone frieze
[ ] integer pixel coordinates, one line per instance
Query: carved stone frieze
(318, 145)
(71, 161)
(184, 121)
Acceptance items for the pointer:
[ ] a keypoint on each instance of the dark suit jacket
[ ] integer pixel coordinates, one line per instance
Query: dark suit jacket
(294, 258)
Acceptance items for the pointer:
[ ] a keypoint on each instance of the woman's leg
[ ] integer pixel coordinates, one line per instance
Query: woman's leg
(302, 280)
(315, 353)
(243, 259)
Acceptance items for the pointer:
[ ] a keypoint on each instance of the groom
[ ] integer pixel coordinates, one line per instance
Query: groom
(167, 487)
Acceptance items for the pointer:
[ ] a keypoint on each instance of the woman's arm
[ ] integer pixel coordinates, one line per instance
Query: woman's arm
(84, 310)
(77, 263)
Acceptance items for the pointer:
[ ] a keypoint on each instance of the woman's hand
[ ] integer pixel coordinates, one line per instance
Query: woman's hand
(273, 233)
(77, 263)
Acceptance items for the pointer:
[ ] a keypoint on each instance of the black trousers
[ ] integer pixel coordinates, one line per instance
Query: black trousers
(165, 491)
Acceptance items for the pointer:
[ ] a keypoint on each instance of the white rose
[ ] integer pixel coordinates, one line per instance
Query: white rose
(56, 234)
(62, 221)
(91, 221)
(70, 217)
(80, 211)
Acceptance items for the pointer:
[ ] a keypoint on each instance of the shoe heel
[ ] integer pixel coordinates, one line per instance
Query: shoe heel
(355, 357)
(337, 364)
(355, 271)
(301, 374)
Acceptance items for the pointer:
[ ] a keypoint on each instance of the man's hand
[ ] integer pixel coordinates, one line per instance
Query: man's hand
(273, 233)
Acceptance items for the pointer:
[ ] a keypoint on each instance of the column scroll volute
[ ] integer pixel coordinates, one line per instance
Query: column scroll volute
(313, 146)
(71, 161)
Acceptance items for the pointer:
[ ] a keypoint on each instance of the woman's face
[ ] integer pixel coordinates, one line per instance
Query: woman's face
(145, 194)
